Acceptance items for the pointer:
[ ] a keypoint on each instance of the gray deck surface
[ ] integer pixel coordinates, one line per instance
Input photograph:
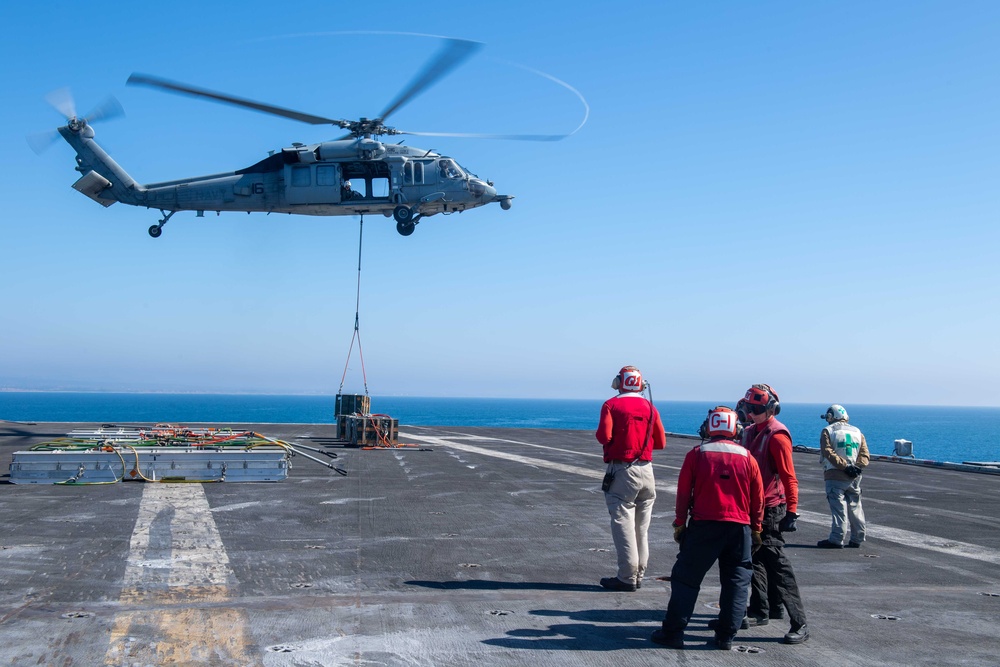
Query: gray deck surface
(485, 551)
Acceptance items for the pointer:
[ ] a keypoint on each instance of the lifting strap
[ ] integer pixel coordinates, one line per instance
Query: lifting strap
(357, 331)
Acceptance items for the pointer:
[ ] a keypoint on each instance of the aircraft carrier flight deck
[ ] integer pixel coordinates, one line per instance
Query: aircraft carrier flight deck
(472, 546)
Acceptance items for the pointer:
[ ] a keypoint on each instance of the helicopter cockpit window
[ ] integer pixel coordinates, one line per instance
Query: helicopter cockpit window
(450, 169)
(300, 176)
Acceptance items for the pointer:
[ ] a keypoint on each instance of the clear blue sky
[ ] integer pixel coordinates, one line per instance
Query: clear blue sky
(803, 194)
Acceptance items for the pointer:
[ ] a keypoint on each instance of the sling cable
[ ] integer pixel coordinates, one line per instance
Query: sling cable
(357, 330)
(354, 418)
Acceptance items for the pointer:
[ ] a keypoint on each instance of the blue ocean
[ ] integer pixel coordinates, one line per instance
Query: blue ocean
(954, 434)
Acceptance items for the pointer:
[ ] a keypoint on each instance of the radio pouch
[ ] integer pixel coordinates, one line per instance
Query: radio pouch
(606, 484)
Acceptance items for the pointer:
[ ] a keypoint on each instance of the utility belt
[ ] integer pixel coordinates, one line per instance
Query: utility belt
(609, 476)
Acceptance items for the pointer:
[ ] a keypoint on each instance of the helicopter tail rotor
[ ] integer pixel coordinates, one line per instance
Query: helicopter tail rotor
(62, 101)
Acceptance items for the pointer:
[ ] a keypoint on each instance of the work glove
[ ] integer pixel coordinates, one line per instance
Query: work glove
(679, 533)
(852, 471)
(787, 524)
(755, 541)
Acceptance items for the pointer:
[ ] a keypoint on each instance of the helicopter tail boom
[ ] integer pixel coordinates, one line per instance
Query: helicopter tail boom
(103, 180)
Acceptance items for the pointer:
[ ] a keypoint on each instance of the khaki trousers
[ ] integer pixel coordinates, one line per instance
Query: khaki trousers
(630, 504)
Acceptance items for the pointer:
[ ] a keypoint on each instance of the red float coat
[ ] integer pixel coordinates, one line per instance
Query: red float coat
(771, 444)
(625, 422)
(720, 481)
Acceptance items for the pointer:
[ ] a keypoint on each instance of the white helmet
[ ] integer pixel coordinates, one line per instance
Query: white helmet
(721, 421)
(835, 413)
(628, 379)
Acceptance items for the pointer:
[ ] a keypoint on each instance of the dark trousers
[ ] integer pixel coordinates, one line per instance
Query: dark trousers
(772, 571)
(705, 542)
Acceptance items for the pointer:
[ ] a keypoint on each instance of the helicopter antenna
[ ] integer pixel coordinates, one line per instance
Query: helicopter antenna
(357, 311)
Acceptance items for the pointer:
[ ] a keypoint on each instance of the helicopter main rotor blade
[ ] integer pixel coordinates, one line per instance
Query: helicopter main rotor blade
(156, 82)
(454, 53)
(511, 137)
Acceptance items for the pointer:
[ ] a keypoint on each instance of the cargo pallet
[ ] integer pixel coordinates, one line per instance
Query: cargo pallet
(371, 431)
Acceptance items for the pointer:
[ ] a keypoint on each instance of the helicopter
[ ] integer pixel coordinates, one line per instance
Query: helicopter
(355, 174)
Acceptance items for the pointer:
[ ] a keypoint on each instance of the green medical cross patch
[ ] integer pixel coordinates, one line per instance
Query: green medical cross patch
(850, 446)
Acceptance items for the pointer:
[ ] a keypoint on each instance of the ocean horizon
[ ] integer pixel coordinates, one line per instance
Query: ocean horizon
(938, 433)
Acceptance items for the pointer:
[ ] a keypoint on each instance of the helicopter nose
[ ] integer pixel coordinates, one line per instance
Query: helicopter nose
(481, 189)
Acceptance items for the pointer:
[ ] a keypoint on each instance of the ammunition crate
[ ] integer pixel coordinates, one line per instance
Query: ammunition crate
(349, 404)
(371, 430)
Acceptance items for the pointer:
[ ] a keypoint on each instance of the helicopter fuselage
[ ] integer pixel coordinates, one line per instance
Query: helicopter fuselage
(344, 177)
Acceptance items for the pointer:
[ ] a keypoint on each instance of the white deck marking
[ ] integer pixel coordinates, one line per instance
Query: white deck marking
(903, 537)
(176, 563)
(527, 460)
(192, 548)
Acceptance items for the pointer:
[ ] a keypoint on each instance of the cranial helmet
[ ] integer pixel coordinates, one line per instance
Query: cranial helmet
(835, 413)
(347, 184)
(721, 421)
(762, 398)
(628, 379)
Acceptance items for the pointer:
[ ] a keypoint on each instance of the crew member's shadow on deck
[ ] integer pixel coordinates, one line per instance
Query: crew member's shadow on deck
(584, 630)
(592, 630)
(486, 585)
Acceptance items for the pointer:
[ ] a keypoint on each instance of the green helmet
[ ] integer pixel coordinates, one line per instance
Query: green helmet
(835, 413)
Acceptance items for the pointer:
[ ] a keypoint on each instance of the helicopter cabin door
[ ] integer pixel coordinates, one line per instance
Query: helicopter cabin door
(312, 183)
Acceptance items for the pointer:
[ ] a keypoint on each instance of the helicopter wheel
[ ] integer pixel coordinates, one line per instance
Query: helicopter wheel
(155, 231)
(403, 215)
(405, 228)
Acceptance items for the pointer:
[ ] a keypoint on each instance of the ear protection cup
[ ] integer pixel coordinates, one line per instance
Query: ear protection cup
(775, 402)
(741, 412)
(703, 430)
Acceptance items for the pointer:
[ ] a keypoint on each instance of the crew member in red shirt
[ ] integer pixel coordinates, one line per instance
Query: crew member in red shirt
(630, 429)
(720, 505)
(770, 443)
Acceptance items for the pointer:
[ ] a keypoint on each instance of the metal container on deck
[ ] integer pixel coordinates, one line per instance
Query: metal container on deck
(372, 431)
(349, 404)
(154, 464)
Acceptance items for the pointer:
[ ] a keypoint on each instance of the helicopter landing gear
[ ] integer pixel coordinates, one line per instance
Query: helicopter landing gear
(406, 219)
(157, 229)
(402, 214)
